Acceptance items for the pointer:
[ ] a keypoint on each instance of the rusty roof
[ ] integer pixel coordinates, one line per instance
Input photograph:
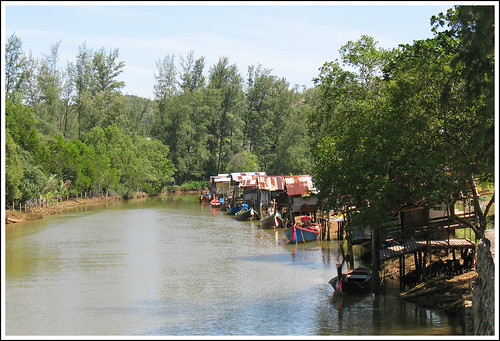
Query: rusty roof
(271, 182)
(248, 179)
(246, 175)
(299, 184)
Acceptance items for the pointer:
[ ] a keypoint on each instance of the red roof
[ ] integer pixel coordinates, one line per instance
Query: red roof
(299, 184)
(271, 182)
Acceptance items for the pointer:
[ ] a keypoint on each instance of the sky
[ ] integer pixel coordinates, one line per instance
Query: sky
(293, 39)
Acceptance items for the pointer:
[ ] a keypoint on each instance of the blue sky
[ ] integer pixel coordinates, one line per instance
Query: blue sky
(292, 38)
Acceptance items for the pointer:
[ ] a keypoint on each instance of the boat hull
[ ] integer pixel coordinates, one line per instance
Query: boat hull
(354, 282)
(204, 199)
(249, 214)
(215, 203)
(271, 222)
(298, 234)
(235, 209)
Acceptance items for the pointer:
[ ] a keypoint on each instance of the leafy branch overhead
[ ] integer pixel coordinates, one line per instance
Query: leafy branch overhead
(403, 127)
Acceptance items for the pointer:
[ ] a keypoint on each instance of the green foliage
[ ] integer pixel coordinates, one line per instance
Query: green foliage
(15, 63)
(244, 161)
(20, 122)
(76, 132)
(415, 136)
(34, 177)
(13, 170)
(195, 185)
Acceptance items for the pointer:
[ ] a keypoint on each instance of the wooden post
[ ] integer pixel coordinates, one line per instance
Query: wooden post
(429, 253)
(328, 225)
(375, 259)
(401, 284)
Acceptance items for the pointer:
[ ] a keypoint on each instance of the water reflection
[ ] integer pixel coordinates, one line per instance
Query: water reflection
(170, 266)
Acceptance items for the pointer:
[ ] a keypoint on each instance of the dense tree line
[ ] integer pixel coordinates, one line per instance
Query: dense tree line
(414, 124)
(411, 125)
(70, 130)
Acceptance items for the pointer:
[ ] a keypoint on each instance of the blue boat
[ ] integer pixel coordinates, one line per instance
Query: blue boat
(304, 231)
(234, 209)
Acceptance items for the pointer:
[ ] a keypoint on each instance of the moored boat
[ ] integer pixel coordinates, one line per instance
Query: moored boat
(271, 222)
(357, 281)
(304, 230)
(245, 214)
(234, 209)
(205, 198)
(215, 202)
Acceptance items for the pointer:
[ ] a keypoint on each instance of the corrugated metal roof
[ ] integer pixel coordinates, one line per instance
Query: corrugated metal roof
(299, 184)
(410, 246)
(271, 182)
(248, 182)
(246, 176)
(220, 178)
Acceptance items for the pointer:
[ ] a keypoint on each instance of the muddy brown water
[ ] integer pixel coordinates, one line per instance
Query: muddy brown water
(170, 266)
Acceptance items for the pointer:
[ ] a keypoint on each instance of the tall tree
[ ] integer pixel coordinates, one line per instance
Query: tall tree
(269, 105)
(81, 74)
(15, 62)
(192, 72)
(225, 87)
(105, 70)
(469, 99)
(49, 82)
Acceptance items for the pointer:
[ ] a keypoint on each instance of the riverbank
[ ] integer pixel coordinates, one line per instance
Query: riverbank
(452, 296)
(14, 216)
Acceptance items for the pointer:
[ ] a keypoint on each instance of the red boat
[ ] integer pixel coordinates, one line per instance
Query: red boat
(215, 202)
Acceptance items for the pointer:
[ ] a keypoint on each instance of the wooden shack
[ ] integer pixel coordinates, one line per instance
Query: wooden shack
(427, 234)
(270, 187)
(244, 188)
(301, 195)
(220, 185)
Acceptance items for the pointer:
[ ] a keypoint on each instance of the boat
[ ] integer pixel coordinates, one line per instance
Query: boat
(357, 281)
(304, 230)
(215, 202)
(245, 214)
(234, 209)
(205, 198)
(271, 222)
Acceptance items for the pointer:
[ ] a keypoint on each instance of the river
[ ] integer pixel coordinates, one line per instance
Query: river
(169, 266)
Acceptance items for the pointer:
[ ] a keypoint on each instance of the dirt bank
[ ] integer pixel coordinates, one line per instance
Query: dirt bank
(13, 216)
(40, 212)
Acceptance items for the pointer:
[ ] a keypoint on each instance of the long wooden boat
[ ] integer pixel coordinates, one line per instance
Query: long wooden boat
(234, 209)
(357, 281)
(305, 230)
(245, 214)
(298, 234)
(205, 198)
(271, 222)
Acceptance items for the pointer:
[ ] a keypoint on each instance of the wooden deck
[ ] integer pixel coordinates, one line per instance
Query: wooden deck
(412, 246)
